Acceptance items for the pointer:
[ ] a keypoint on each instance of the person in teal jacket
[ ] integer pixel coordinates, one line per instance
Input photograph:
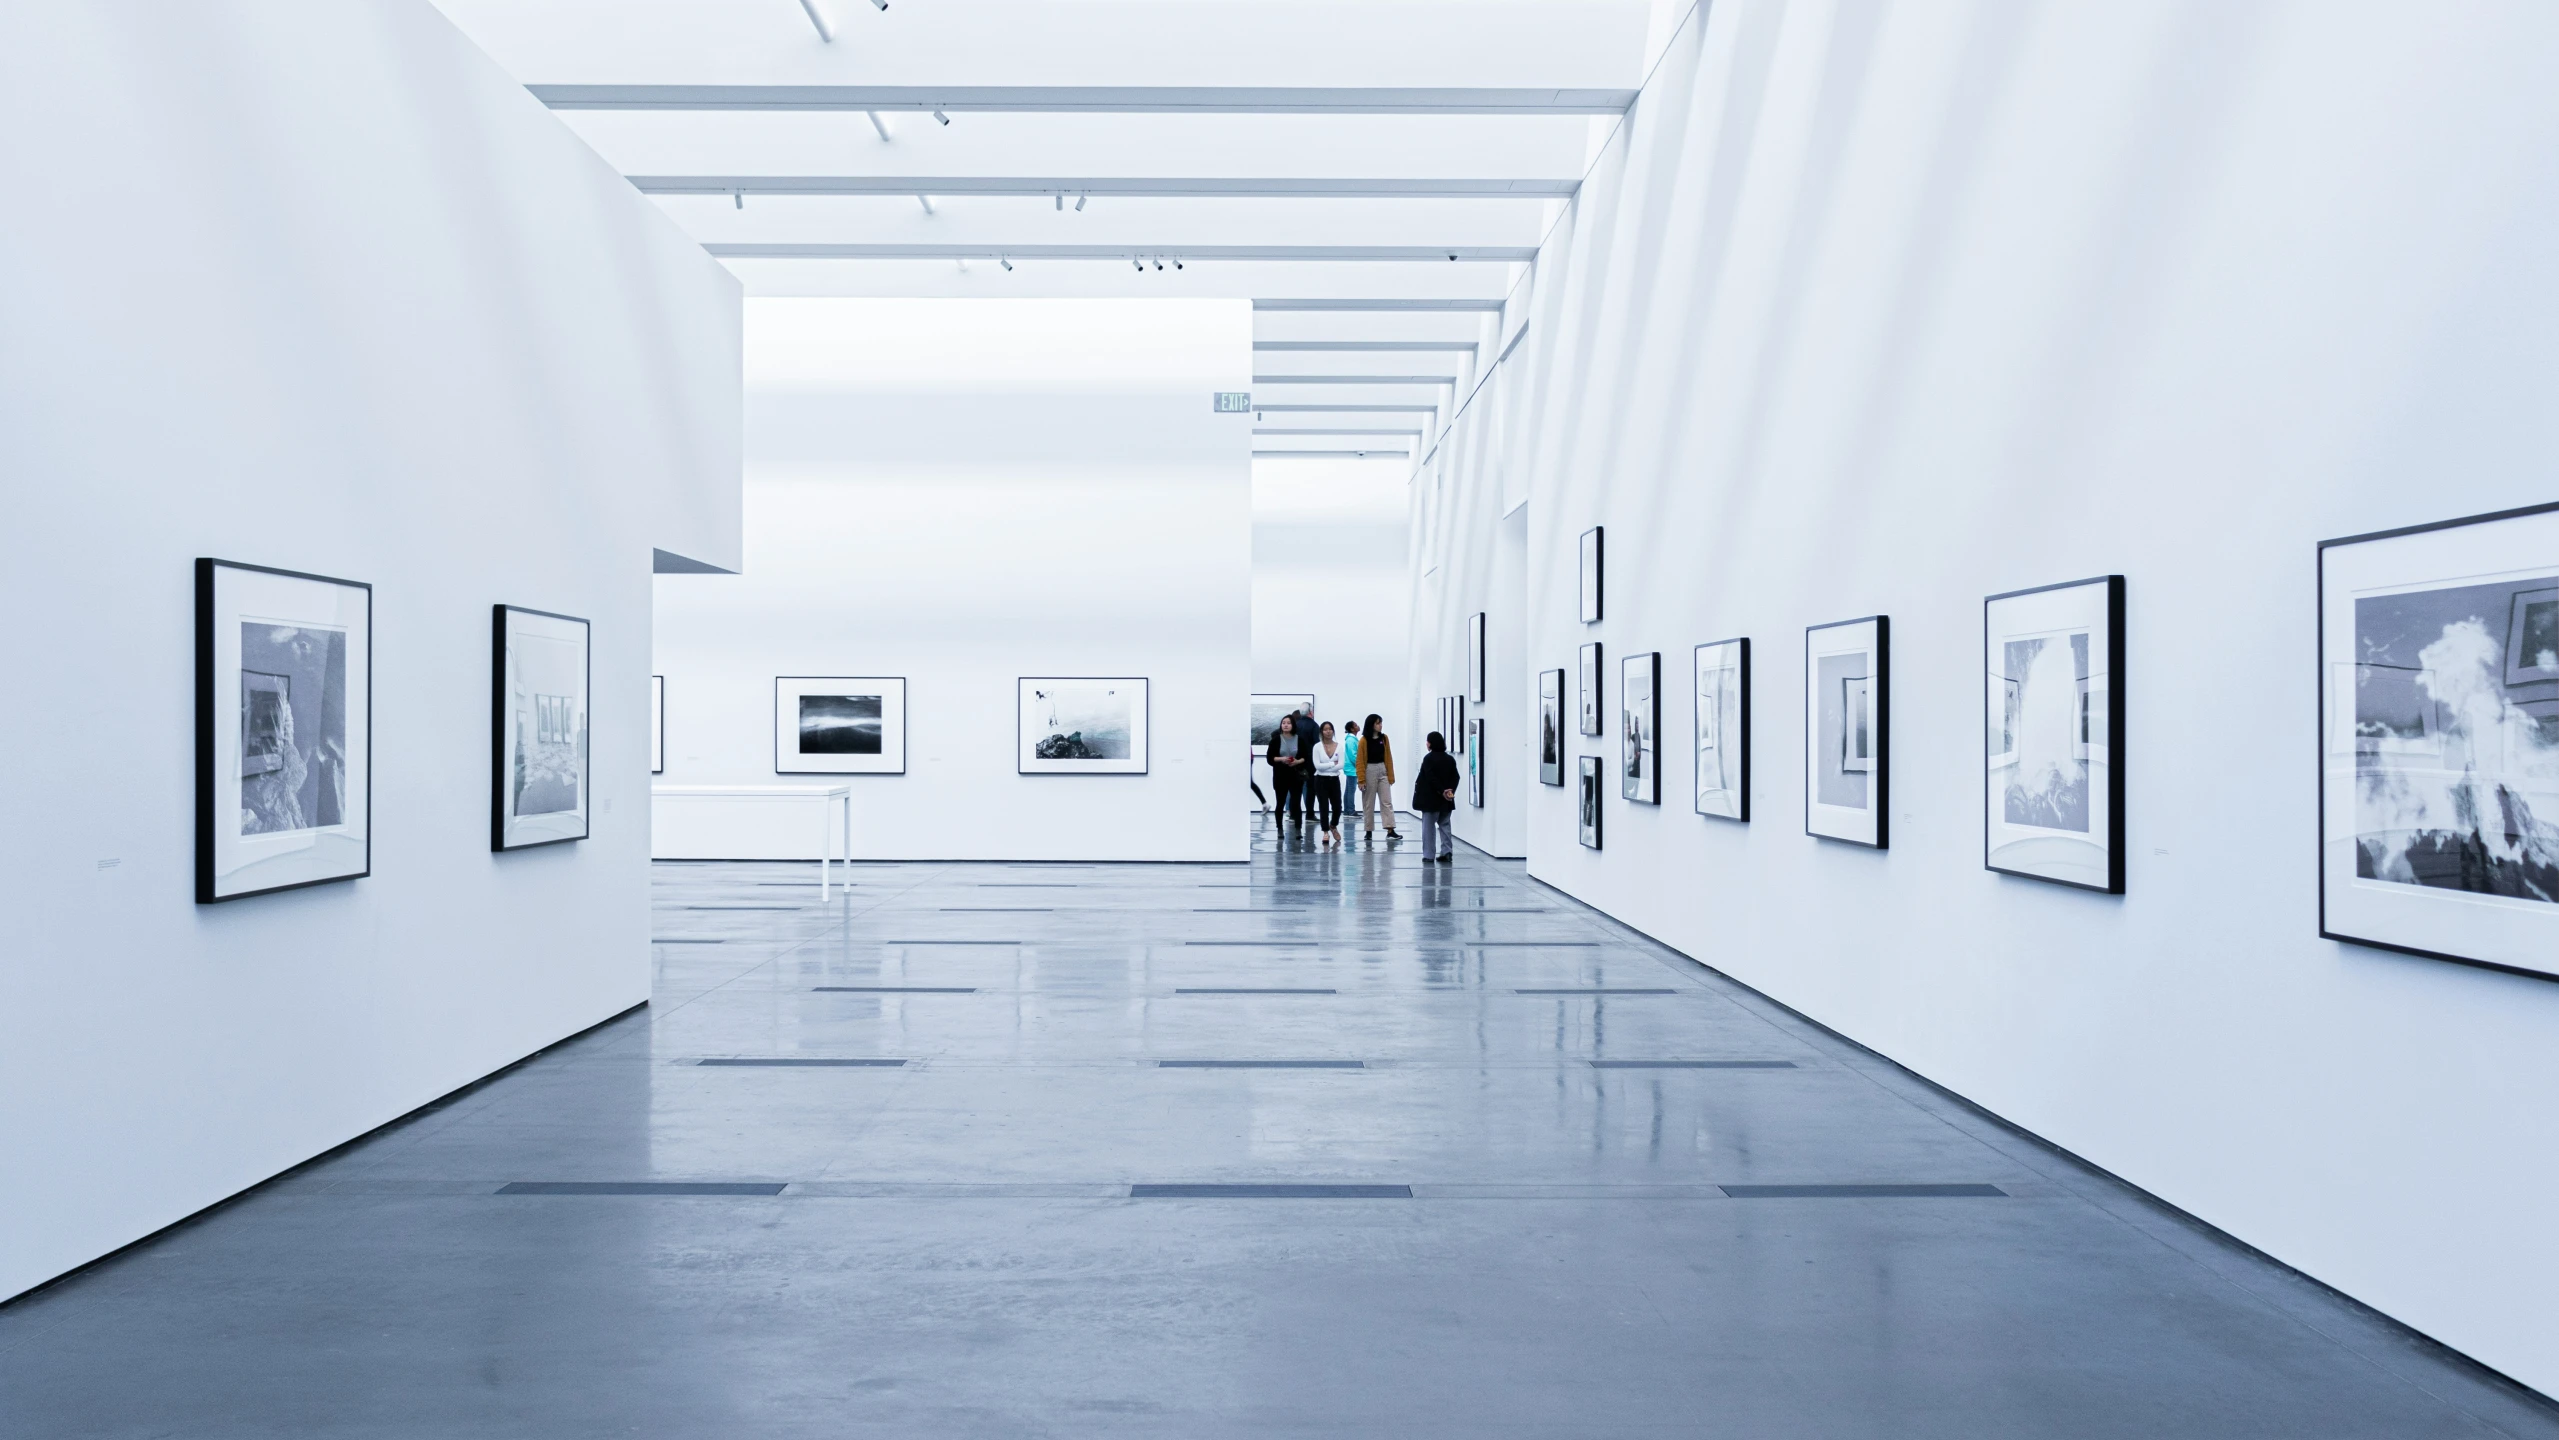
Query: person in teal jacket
(1350, 772)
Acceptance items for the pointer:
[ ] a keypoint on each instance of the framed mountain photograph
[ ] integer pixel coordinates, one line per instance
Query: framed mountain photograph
(2053, 717)
(1847, 730)
(2439, 740)
(1078, 725)
(839, 725)
(283, 730)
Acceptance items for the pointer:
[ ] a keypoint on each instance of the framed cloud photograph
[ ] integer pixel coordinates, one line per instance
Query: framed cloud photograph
(1722, 672)
(1591, 780)
(1550, 727)
(539, 783)
(1847, 730)
(1475, 762)
(1593, 554)
(1590, 697)
(1267, 712)
(657, 724)
(1475, 658)
(2053, 721)
(839, 725)
(1082, 725)
(2439, 740)
(1639, 727)
(284, 730)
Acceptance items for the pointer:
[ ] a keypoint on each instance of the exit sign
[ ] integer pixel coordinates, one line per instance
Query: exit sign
(1234, 402)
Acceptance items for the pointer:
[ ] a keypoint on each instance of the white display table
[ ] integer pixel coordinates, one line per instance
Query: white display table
(825, 796)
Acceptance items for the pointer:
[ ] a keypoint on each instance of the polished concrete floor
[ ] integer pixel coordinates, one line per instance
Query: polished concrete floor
(963, 1245)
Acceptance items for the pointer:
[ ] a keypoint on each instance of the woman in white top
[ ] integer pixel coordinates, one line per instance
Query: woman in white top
(1326, 783)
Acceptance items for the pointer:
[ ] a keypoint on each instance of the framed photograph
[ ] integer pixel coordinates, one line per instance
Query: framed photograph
(1439, 721)
(1082, 725)
(1590, 689)
(1592, 555)
(1847, 730)
(1267, 710)
(1639, 727)
(1550, 727)
(1475, 658)
(1591, 780)
(1475, 763)
(2053, 718)
(283, 730)
(2439, 740)
(1723, 729)
(839, 725)
(539, 785)
(657, 724)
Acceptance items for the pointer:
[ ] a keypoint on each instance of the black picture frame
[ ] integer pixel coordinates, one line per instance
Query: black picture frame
(209, 871)
(1550, 727)
(1475, 761)
(1592, 693)
(1732, 736)
(1592, 808)
(1640, 716)
(1143, 742)
(780, 760)
(657, 725)
(2359, 904)
(1298, 703)
(1996, 722)
(1874, 754)
(499, 770)
(1594, 573)
(1475, 636)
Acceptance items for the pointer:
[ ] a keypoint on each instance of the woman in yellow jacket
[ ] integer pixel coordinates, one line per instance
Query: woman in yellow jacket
(1376, 778)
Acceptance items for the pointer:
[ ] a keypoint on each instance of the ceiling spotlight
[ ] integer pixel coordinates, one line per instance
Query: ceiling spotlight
(740, 197)
(879, 124)
(1177, 264)
(1000, 260)
(1061, 199)
(1452, 257)
(926, 201)
(1137, 265)
(883, 4)
(945, 119)
(1079, 202)
(1159, 262)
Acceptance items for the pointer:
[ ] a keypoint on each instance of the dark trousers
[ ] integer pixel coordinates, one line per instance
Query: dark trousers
(1288, 785)
(1327, 800)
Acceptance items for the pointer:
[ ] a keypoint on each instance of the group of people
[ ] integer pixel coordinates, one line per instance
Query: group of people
(1313, 769)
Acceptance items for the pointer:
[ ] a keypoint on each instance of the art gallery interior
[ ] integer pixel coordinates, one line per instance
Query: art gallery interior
(650, 631)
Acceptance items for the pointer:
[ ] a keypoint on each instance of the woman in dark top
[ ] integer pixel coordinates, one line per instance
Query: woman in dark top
(1376, 779)
(1291, 755)
(1434, 797)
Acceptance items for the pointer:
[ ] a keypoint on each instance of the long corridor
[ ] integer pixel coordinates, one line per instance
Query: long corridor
(1327, 1145)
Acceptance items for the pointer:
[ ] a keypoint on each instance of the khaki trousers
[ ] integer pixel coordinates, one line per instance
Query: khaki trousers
(1376, 797)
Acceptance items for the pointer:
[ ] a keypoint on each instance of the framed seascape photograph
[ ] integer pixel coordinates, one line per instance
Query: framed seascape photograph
(283, 730)
(2439, 740)
(1475, 763)
(1080, 725)
(1590, 689)
(1267, 711)
(839, 725)
(2053, 718)
(1639, 727)
(1475, 658)
(1847, 727)
(539, 790)
(1590, 793)
(1723, 729)
(657, 724)
(1592, 555)
(1550, 727)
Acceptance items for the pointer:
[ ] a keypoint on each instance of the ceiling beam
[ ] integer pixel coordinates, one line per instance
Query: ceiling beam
(1093, 99)
(1353, 306)
(1076, 186)
(1349, 409)
(1496, 254)
(1354, 379)
(1303, 430)
(1380, 454)
(1362, 346)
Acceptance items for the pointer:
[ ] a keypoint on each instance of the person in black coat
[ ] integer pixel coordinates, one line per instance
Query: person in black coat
(1292, 757)
(1435, 797)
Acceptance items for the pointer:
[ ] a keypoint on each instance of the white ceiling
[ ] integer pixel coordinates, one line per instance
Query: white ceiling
(1308, 156)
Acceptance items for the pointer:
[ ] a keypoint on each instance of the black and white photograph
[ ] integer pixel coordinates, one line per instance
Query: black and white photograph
(1847, 730)
(1550, 727)
(2052, 801)
(1592, 557)
(1723, 728)
(839, 725)
(1267, 710)
(284, 729)
(657, 724)
(1078, 725)
(1639, 728)
(1475, 762)
(1590, 695)
(539, 792)
(2439, 723)
(1592, 780)
(1475, 657)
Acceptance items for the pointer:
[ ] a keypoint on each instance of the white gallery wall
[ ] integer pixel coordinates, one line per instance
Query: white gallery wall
(1331, 616)
(313, 286)
(963, 493)
(1887, 308)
